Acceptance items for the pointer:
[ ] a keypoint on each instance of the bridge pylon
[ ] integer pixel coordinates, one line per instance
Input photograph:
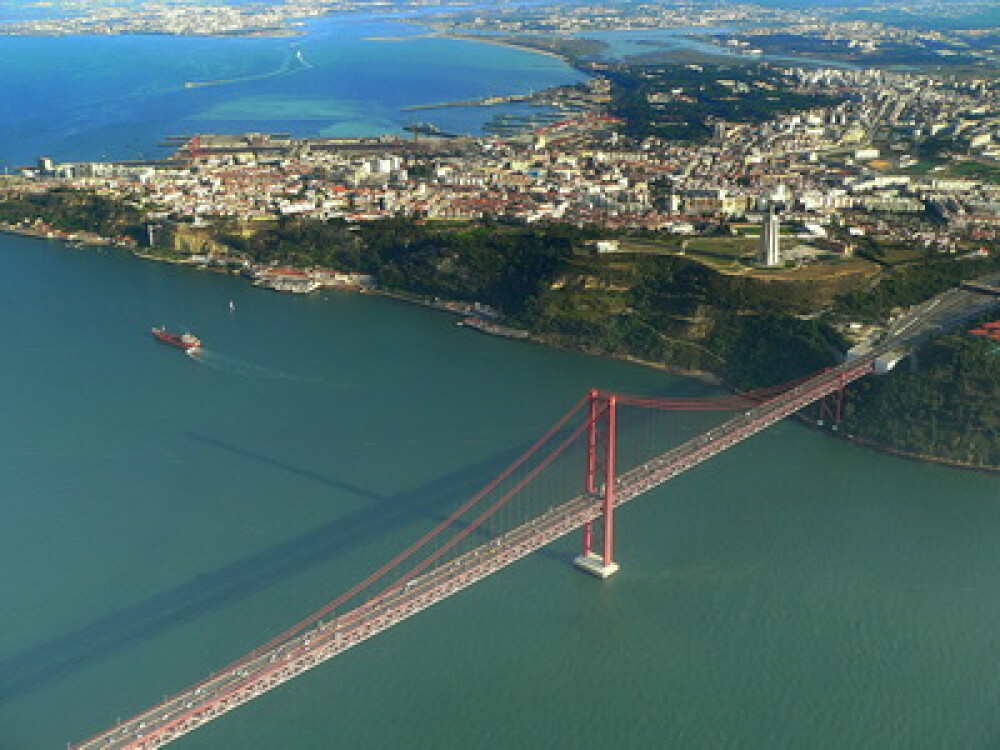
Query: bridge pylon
(831, 407)
(600, 486)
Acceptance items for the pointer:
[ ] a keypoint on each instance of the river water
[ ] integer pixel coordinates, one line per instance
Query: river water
(163, 515)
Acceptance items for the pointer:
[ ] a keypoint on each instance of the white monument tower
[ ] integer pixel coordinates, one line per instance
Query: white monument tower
(770, 239)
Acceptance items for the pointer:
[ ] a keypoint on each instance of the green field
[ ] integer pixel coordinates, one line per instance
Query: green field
(893, 254)
(718, 253)
(976, 170)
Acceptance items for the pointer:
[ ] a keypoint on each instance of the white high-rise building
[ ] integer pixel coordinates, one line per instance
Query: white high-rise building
(770, 240)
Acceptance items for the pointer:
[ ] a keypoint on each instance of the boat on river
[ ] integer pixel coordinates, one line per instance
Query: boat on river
(186, 341)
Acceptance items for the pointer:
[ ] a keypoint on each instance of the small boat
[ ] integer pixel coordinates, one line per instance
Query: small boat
(186, 341)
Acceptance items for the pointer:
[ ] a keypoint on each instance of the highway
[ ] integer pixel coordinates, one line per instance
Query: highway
(936, 316)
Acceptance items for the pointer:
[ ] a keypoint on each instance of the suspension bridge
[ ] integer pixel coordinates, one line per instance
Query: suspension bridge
(607, 450)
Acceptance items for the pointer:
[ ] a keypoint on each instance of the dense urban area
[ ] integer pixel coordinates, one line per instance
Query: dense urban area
(725, 216)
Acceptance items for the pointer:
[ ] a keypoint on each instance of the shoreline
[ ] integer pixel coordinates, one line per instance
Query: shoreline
(920, 457)
(498, 41)
(702, 376)
(506, 43)
(708, 378)
(81, 239)
(449, 307)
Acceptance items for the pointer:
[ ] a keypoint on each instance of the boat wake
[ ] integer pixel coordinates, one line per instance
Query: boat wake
(239, 367)
(294, 62)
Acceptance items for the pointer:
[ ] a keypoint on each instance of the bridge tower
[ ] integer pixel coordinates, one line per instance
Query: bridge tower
(831, 407)
(600, 485)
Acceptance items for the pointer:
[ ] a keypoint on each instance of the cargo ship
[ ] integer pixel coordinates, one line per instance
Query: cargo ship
(186, 341)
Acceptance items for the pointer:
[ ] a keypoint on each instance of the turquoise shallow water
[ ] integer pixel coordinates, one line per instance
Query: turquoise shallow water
(117, 97)
(163, 515)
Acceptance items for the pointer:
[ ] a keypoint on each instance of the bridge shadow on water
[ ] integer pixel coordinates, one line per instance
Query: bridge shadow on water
(72, 652)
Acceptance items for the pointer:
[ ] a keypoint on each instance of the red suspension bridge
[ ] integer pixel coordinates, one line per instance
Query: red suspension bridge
(608, 449)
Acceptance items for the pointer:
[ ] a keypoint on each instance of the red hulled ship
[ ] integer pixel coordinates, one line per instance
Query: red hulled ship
(186, 341)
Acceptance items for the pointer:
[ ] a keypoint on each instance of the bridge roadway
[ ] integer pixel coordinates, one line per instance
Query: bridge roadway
(945, 311)
(259, 673)
(938, 315)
